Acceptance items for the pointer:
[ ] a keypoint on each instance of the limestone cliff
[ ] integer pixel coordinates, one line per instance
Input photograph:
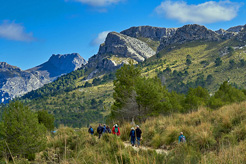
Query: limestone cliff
(154, 33)
(189, 33)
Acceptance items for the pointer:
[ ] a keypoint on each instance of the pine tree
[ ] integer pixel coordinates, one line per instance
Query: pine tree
(47, 119)
(124, 93)
(21, 130)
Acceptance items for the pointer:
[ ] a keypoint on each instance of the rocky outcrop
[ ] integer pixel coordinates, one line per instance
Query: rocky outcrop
(15, 82)
(125, 46)
(241, 37)
(189, 33)
(225, 34)
(154, 33)
(117, 50)
(59, 64)
(236, 29)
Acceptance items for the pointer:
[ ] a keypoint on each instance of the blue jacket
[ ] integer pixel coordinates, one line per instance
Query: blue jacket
(180, 138)
(132, 133)
(104, 129)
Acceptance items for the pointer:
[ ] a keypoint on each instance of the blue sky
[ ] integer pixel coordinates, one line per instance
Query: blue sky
(32, 30)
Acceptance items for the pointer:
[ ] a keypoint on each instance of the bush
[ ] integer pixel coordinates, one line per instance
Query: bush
(47, 119)
(22, 131)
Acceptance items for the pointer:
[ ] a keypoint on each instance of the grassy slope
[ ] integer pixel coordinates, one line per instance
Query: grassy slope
(212, 137)
(78, 101)
(200, 51)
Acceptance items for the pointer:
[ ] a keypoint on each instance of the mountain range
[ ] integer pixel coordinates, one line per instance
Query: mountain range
(15, 82)
(135, 44)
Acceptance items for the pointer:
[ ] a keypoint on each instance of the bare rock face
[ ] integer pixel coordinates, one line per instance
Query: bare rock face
(189, 33)
(15, 82)
(154, 33)
(67, 62)
(118, 49)
(225, 34)
(236, 29)
(58, 65)
(125, 46)
(241, 37)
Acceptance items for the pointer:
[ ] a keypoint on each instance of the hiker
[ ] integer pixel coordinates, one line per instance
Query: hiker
(116, 130)
(181, 137)
(138, 134)
(104, 128)
(133, 136)
(108, 130)
(99, 131)
(90, 130)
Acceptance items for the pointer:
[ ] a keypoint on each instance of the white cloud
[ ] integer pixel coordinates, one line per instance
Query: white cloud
(99, 3)
(208, 12)
(13, 31)
(100, 38)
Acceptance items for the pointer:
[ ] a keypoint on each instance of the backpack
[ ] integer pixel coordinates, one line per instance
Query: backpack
(116, 130)
(91, 130)
(182, 139)
(133, 133)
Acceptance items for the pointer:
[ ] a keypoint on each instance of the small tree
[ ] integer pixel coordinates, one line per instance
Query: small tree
(242, 62)
(218, 62)
(225, 95)
(47, 119)
(21, 130)
(209, 79)
(188, 60)
(196, 97)
(232, 63)
(87, 84)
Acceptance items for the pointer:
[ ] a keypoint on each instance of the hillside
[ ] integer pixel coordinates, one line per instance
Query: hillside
(205, 62)
(217, 136)
(15, 82)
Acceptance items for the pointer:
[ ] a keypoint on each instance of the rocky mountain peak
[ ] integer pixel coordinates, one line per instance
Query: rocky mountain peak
(125, 46)
(154, 33)
(242, 35)
(5, 66)
(189, 33)
(68, 62)
(236, 29)
(14, 82)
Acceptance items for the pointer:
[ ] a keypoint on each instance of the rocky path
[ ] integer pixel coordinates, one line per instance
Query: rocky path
(159, 151)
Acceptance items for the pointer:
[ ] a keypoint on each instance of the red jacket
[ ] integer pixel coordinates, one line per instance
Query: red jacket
(113, 131)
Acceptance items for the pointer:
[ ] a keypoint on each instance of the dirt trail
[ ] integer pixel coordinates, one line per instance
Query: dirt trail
(159, 151)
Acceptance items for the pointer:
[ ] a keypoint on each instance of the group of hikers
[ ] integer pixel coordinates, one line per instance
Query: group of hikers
(135, 133)
(105, 129)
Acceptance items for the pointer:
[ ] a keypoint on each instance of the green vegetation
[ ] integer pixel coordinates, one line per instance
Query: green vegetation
(217, 136)
(78, 102)
(138, 97)
(21, 134)
(46, 119)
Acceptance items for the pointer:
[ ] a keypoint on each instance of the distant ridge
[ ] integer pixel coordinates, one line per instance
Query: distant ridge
(15, 82)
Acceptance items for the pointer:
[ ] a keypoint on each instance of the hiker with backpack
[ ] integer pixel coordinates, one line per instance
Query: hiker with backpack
(90, 130)
(99, 131)
(182, 137)
(138, 134)
(108, 130)
(104, 128)
(133, 136)
(116, 130)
